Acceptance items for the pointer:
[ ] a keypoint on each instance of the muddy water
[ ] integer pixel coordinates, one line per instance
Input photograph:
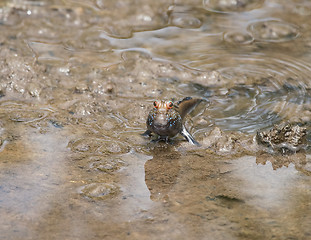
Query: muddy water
(77, 81)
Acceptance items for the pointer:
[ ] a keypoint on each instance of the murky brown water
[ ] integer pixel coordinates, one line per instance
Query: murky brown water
(77, 79)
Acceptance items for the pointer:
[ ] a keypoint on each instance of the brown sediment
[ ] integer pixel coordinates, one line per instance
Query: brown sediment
(77, 79)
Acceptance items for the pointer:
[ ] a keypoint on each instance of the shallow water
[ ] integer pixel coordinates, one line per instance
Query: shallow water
(78, 79)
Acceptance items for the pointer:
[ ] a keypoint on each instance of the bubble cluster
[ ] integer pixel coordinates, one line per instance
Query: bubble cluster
(224, 6)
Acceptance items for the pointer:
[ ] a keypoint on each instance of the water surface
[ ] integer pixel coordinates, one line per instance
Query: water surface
(78, 79)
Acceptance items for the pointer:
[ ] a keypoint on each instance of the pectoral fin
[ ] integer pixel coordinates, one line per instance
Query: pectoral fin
(147, 133)
(188, 136)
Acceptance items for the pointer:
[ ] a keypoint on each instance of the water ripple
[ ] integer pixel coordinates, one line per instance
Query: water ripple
(89, 40)
(260, 91)
(19, 112)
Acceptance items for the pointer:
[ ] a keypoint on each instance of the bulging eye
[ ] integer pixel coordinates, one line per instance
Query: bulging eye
(155, 104)
(170, 105)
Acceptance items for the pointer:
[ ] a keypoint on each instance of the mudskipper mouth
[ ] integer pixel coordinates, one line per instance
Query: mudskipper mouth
(160, 126)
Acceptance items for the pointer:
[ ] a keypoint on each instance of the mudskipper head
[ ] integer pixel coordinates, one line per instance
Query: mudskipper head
(162, 113)
(163, 119)
(163, 106)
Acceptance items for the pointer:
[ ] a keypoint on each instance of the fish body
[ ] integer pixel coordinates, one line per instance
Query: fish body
(166, 119)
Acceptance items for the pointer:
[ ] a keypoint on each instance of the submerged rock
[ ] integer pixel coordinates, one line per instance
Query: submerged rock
(99, 191)
(286, 138)
(106, 165)
(225, 143)
(218, 140)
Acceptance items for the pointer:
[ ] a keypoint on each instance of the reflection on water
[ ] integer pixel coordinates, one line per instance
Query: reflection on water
(78, 79)
(135, 193)
(161, 173)
(32, 169)
(278, 196)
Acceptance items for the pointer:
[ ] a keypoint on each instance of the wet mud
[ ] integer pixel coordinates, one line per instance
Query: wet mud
(77, 81)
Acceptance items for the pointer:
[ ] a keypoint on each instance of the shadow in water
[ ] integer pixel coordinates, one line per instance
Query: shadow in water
(161, 172)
